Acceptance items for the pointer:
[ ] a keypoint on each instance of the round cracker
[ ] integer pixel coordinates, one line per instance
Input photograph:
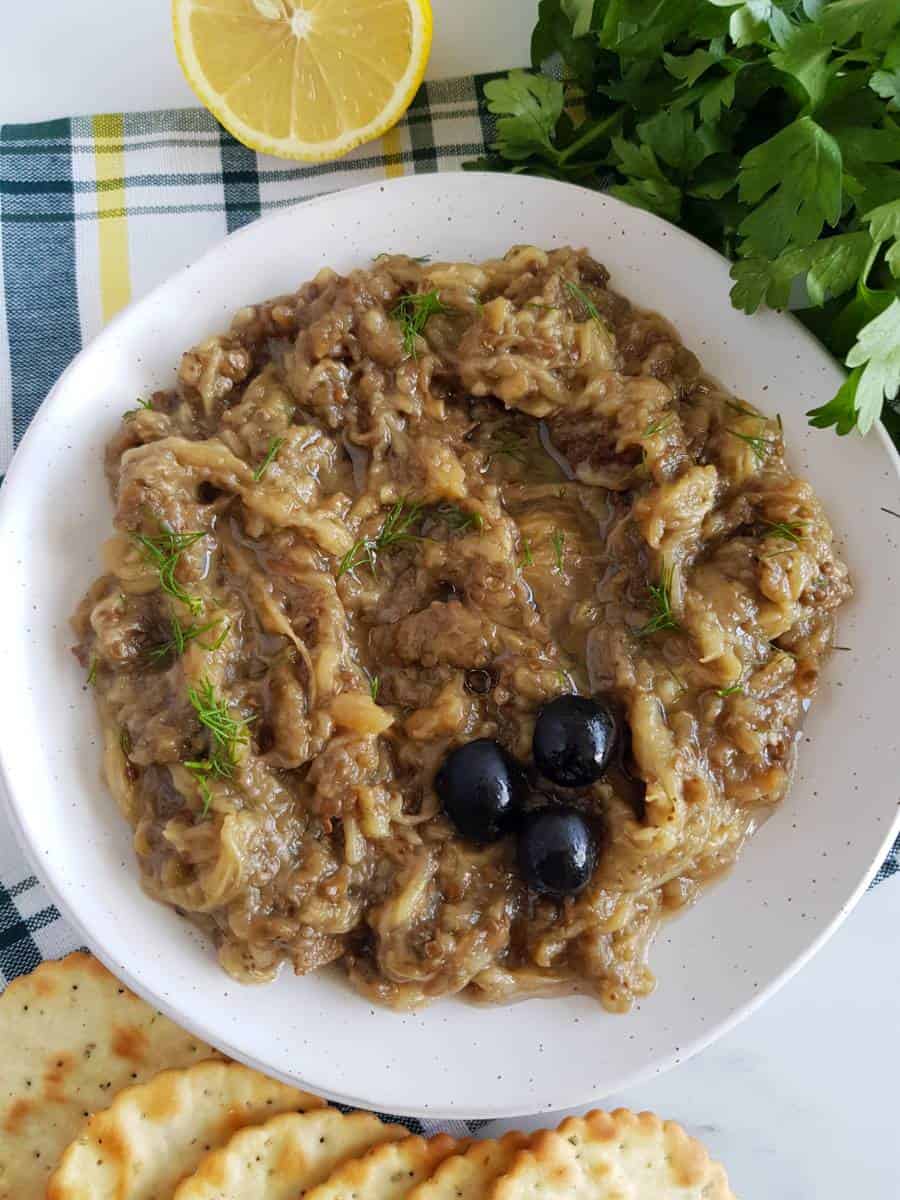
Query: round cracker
(286, 1156)
(467, 1176)
(388, 1172)
(613, 1156)
(72, 1037)
(156, 1133)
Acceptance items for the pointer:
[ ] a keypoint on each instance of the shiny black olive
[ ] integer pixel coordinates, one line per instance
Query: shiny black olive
(479, 681)
(482, 788)
(557, 851)
(573, 740)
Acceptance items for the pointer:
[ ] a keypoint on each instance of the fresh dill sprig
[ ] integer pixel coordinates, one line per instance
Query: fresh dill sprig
(395, 531)
(785, 531)
(743, 411)
(732, 690)
(585, 301)
(181, 635)
(507, 443)
(397, 525)
(92, 671)
(413, 313)
(762, 447)
(527, 559)
(164, 551)
(228, 734)
(362, 551)
(131, 412)
(559, 548)
(419, 258)
(458, 519)
(272, 452)
(682, 686)
(374, 685)
(661, 604)
(658, 426)
(202, 768)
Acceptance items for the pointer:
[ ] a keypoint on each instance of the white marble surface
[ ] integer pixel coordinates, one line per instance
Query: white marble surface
(799, 1101)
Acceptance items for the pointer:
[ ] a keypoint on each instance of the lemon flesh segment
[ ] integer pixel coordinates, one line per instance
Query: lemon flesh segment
(307, 79)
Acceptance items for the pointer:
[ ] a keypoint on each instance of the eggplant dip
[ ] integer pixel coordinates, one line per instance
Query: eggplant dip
(455, 629)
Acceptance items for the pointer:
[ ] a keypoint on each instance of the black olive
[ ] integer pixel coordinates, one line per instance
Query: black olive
(482, 788)
(557, 851)
(573, 740)
(479, 681)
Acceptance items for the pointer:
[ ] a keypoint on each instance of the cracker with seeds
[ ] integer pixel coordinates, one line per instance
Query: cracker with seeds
(388, 1172)
(613, 1156)
(154, 1134)
(72, 1036)
(286, 1156)
(467, 1176)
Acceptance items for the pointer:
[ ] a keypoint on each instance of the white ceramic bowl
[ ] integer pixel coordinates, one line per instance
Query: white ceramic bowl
(797, 878)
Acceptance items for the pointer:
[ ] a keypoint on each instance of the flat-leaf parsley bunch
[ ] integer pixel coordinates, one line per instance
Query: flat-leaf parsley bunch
(768, 128)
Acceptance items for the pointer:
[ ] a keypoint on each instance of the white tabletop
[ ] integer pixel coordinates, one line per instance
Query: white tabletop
(800, 1100)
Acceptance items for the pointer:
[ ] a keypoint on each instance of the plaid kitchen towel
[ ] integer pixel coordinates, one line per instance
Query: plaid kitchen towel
(96, 210)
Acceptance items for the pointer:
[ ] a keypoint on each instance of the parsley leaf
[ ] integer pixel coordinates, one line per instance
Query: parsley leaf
(887, 85)
(799, 172)
(877, 351)
(884, 225)
(528, 107)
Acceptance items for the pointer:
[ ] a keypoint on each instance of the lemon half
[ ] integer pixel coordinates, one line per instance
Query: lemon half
(306, 79)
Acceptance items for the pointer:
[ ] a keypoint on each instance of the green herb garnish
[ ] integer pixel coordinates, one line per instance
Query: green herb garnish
(129, 413)
(507, 443)
(732, 690)
(124, 740)
(590, 308)
(789, 531)
(658, 426)
(744, 412)
(374, 685)
(683, 687)
(661, 604)
(413, 313)
(164, 551)
(180, 636)
(762, 447)
(559, 548)
(227, 734)
(395, 531)
(92, 671)
(272, 452)
(458, 519)
(527, 559)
